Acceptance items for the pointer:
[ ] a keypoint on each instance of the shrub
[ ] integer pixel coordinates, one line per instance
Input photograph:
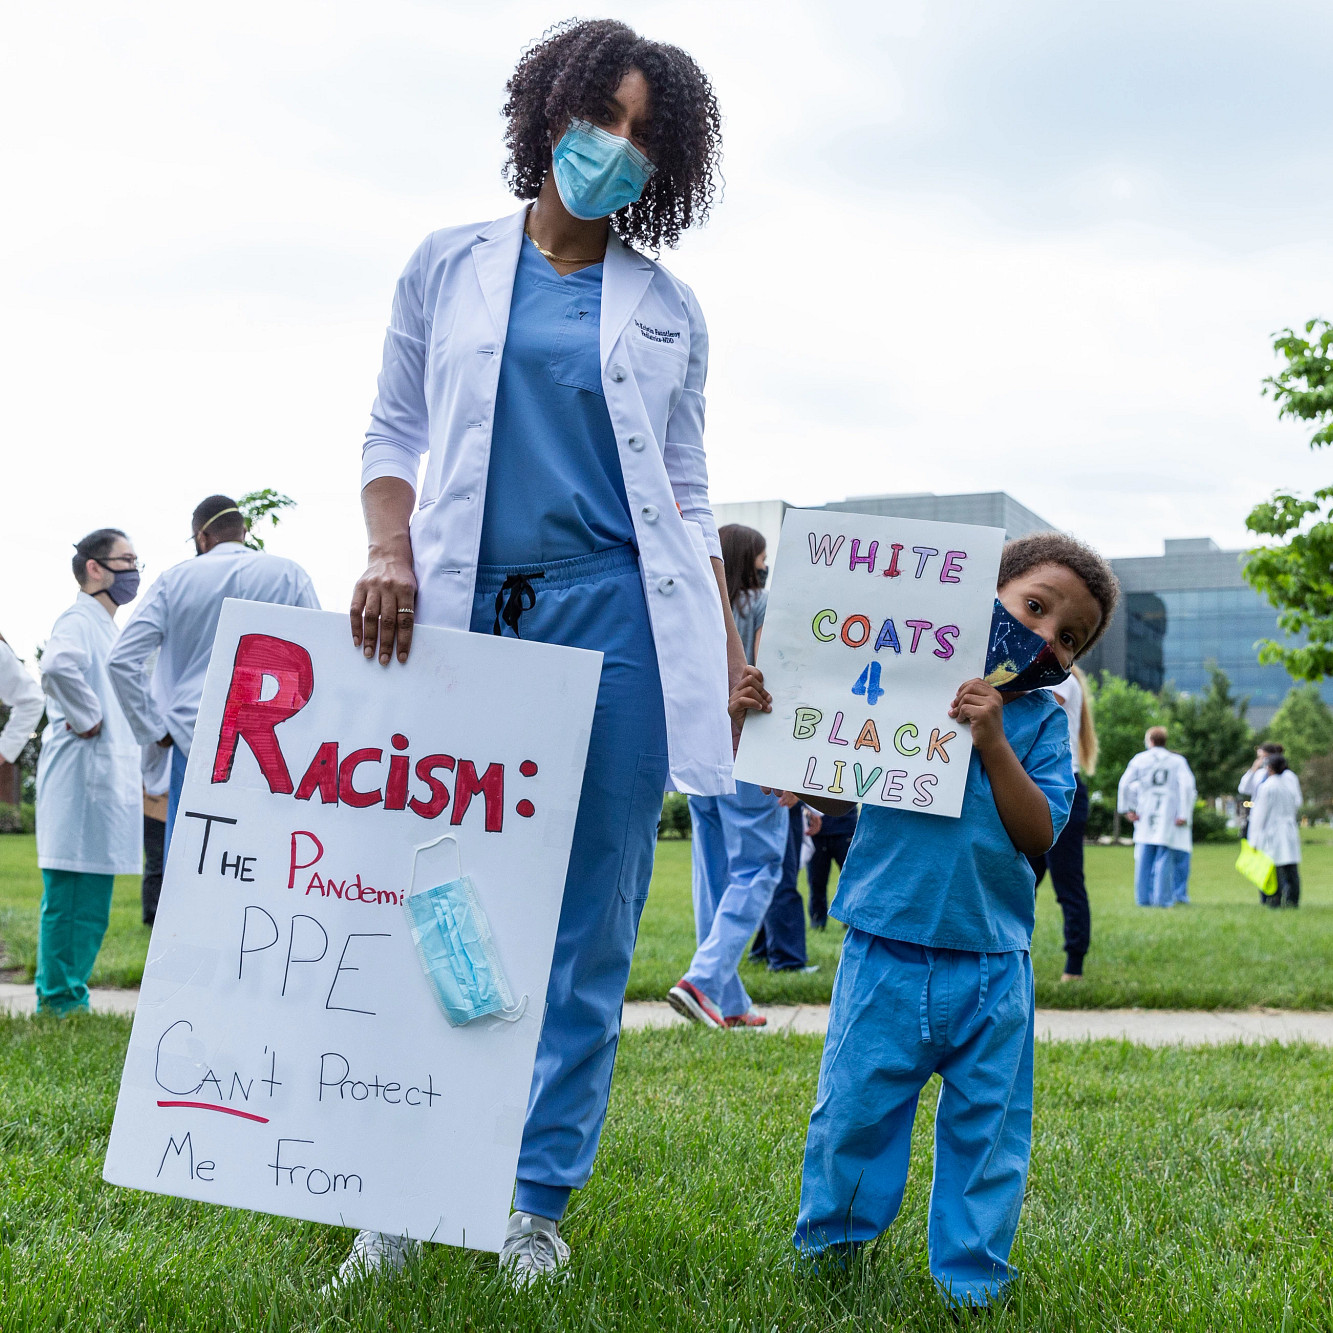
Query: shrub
(1209, 826)
(17, 819)
(675, 821)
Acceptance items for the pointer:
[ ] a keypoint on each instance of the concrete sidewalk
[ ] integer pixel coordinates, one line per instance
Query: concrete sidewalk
(1146, 1027)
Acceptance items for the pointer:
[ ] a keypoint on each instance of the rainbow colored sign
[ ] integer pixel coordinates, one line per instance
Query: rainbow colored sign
(872, 625)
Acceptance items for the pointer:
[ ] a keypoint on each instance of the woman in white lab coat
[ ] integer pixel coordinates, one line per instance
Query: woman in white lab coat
(89, 793)
(552, 376)
(1274, 829)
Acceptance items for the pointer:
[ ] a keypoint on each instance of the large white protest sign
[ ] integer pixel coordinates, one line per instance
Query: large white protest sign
(289, 1054)
(872, 625)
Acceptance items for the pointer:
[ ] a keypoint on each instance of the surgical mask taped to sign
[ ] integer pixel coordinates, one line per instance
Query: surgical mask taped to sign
(454, 943)
(597, 173)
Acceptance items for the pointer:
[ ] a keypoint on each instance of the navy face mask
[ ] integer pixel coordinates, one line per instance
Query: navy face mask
(125, 588)
(1019, 659)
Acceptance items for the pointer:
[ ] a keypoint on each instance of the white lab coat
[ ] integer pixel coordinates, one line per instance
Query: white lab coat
(436, 398)
(1182, 835)
(23, 697)
(177, 620)
(1153, 786)
(89, 793)
(1273, 826)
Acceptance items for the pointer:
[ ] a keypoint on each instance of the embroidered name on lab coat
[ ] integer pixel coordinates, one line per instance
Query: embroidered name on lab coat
(657, 335)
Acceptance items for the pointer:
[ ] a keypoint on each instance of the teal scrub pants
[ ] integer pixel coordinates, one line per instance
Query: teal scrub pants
(594, 601)
(900, 1013)
(75, 910)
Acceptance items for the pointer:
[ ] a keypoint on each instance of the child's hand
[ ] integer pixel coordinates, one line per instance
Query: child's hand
(748, 696)
(981, 706)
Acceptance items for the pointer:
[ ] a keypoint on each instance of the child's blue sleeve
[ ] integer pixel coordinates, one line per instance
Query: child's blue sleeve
(1050, 765)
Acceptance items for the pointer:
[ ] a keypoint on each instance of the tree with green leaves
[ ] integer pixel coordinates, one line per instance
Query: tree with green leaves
(1303, 726)
(260, 507)
(1297, 575)
(1122, 713)
(1211, 731)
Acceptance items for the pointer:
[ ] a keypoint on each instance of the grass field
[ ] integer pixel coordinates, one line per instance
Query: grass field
(1222, 952)
(1170, 1189)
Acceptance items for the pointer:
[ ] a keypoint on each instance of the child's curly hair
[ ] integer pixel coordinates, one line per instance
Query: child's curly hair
(1058, 548)
(571, 72)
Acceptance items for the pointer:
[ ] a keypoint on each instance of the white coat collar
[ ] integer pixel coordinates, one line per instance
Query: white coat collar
(225, 548)
(86, 604)
(625, 276)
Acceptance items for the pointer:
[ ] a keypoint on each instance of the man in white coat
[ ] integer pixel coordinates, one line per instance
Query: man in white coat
(89, 792)
(23, 697)
(177, 621)
(1152, 794)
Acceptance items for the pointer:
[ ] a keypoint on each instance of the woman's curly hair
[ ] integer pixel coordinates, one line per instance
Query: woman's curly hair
(576, 66)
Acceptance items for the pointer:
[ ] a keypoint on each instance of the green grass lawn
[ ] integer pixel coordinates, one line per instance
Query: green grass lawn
(1170, 1189)
(1222, 952)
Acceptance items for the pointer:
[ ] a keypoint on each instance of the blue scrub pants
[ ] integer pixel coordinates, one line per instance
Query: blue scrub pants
(177, 785)
(593, 601)
(781, 939)
(1180, 876)
(901, 1013)
(1154, 875)
(737, 850)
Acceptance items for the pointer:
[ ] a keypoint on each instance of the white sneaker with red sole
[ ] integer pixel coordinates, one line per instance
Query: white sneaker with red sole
(690, 1002)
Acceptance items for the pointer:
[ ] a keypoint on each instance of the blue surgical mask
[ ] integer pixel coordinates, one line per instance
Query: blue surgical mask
(457, 953)
(597, 173)
(125, 588)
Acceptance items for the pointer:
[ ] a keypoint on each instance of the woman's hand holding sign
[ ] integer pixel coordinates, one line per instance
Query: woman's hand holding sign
(384, 599)
(748, 696)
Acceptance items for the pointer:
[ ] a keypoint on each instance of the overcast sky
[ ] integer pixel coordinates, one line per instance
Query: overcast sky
(1038, 246)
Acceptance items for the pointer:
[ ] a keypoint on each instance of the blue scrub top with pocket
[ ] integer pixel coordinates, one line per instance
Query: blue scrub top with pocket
(553, 436)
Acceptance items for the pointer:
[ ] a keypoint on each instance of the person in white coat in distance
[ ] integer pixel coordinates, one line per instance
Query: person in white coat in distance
(1253, 778)
(89, 791)
(175, 624)
(1152, 795)
(23, 697)
(1275, 828)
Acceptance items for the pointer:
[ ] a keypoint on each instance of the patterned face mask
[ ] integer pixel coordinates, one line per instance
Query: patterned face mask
(456, 950)
(1019, 659)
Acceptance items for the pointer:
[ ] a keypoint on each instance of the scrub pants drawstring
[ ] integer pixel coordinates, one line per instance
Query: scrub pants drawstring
(983, 981)
(925, 997)
(522, 596)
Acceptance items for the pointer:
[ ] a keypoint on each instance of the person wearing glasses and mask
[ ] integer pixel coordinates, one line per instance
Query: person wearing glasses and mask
(551, 376)
(89, 794)
(158, 667)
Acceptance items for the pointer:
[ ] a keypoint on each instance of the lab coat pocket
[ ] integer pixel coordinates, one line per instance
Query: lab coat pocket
(641, 820)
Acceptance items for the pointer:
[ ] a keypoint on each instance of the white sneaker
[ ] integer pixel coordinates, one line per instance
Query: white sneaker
(532, 1249)
(374, 1254)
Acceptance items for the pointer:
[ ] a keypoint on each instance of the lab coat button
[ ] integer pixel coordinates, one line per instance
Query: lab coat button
(617, 373)
(636, 442)
(649, 513)
(665, 586)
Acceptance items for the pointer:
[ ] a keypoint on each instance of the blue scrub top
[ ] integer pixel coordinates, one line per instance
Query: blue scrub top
(959, 883)
(554, 489)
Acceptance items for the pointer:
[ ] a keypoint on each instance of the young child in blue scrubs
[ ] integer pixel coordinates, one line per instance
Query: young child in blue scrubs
(935, 974)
